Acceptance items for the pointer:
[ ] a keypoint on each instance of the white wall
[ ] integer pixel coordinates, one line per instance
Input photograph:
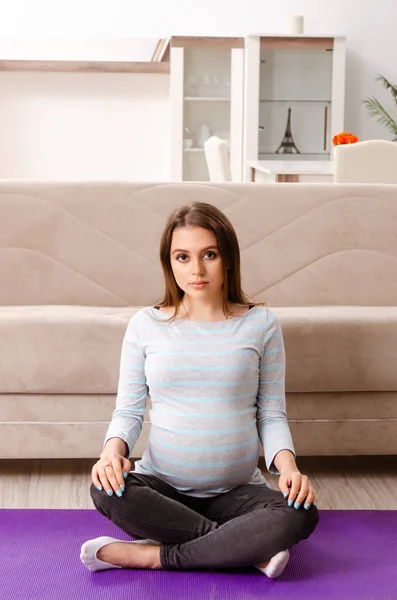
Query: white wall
(84, 126)
(32, 105)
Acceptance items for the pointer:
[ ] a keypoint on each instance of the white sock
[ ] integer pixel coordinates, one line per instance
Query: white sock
(90, 549)
(276, 565)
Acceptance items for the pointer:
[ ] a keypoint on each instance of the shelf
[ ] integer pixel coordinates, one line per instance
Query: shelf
(211, 43)
(297, 101)
(193, 150)
(206, 99)
(296, 42)
(292, 156)
(84, 66)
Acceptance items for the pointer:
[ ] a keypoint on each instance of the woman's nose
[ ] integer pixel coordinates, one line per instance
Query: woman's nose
(197, 268)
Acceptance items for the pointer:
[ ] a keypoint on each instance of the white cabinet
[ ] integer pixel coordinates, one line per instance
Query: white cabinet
(206, 98)
(295, 80)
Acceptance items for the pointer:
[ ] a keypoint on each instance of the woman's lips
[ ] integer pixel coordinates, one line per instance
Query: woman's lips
(199, 285)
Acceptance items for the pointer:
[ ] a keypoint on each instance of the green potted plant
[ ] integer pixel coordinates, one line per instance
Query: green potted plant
(375, 108)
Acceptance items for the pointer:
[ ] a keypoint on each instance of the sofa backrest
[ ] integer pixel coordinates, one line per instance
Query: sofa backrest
(97, 243)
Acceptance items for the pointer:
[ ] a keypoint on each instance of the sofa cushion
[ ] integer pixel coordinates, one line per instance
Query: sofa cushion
(61, 349)
(340, 348)
(76, 349)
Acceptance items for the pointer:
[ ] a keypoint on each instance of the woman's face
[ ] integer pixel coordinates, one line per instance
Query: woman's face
(195, 257)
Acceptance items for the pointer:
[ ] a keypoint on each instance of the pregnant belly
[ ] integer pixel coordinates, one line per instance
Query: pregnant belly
(204, 460)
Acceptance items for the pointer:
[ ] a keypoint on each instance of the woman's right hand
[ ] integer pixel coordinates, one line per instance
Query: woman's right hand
(110, 472)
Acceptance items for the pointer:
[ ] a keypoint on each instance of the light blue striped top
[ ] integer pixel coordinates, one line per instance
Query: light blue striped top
(214, 388)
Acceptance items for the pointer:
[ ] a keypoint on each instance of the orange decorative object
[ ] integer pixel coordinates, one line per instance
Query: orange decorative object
(344, 138)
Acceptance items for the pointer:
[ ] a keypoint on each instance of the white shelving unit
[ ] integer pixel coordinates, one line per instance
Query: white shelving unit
(303, 73)
(206, 96)
(203, 99)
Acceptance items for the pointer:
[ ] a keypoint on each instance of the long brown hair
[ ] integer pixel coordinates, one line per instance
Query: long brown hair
(207, 216)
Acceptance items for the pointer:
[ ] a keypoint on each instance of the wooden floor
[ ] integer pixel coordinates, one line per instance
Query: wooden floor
(341, 482)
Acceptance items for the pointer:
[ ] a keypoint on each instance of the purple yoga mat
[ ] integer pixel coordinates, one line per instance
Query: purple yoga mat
(351, 555)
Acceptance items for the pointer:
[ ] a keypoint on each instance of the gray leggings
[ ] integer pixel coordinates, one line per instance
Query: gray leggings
(247, 525)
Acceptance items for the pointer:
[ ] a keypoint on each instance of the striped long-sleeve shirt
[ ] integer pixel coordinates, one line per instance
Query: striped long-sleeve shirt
(216, 388)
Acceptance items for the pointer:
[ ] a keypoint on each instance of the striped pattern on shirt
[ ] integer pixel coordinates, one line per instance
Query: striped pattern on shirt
(214, 388)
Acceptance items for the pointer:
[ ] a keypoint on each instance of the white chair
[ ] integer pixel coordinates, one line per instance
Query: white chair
(217, 158)
(374, 161)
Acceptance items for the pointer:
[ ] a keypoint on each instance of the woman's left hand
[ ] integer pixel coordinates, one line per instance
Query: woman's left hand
(297, 489)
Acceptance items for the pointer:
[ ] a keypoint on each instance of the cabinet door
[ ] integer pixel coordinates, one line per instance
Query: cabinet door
(295, 96)
(236, 114)
(338, 87)
(176, 111)
(206, 99)
(251, 103)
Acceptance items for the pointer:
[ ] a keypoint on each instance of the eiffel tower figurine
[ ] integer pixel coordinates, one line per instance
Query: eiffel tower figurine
(288, 146)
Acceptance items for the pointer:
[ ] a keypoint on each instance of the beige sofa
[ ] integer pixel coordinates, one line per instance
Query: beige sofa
(78, 259)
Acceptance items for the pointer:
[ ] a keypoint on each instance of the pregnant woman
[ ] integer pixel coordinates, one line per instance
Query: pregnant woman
(213, 363)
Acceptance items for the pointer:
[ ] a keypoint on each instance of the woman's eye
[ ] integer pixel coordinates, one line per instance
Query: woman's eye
(183, 256)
